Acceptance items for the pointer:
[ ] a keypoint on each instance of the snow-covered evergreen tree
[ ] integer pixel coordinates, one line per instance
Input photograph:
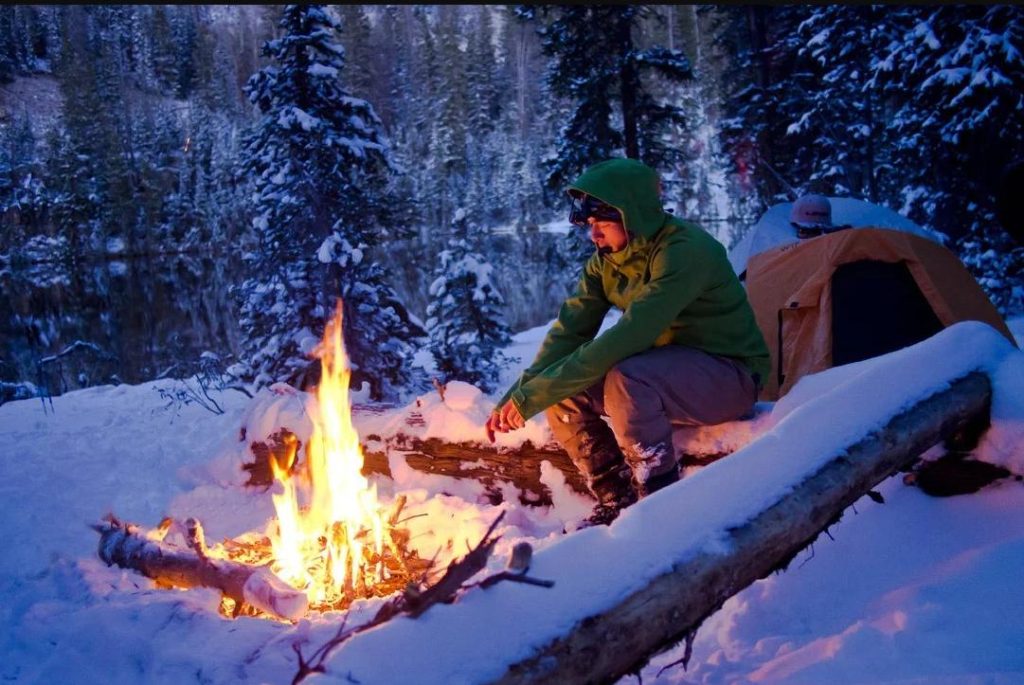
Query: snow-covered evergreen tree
(379, 331)
(598, 66)
(320, 166)
(24, 198)
(956, 74)
(466, 322)
(838, 128)
(762, 43)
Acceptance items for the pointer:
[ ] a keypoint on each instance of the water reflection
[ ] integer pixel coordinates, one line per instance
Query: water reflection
(142, 318)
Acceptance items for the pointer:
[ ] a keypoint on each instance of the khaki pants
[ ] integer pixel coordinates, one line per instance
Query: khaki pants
(643, 396)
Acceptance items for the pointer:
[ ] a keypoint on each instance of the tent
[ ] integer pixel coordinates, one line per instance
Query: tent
(851, 294)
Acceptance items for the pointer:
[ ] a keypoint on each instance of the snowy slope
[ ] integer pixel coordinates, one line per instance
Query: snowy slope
(920, 590)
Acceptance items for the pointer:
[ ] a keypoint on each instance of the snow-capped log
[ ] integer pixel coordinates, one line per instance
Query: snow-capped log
(489, 465)
(605, 647)
(131, 547)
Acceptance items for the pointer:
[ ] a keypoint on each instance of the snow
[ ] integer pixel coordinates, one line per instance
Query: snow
(918, 590)
(774, 230)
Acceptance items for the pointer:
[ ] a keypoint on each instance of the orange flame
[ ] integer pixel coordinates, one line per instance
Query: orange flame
(328, 548)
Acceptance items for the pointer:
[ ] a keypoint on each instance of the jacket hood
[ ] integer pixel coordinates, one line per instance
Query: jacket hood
(629, 186)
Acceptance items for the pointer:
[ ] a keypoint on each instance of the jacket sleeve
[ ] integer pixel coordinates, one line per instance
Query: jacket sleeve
(578, 321)
(678, 277)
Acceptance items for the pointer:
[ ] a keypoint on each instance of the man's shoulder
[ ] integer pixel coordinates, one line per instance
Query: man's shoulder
(687, 235)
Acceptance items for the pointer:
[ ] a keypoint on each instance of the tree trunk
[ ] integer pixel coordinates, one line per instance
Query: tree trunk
(605, 647)
(628, 79)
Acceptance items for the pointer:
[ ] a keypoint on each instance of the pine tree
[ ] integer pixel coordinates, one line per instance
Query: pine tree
(598, 66)
(24, 198)
(763, 45)
(465, 319)
(842, 132)
(320, 166)
(379, 331)
(953, 77)
(80, 146)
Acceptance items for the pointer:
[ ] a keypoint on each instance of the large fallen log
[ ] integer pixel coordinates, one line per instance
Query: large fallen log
(603, 648)
(489, 465)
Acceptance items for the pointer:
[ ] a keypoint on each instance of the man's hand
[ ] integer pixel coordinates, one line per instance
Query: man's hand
(503, 420)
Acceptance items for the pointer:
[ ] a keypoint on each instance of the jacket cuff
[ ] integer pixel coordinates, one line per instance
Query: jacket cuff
(522, 406)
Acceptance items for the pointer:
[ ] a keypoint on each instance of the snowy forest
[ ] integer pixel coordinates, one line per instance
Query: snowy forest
(265, 270)
(188, 188)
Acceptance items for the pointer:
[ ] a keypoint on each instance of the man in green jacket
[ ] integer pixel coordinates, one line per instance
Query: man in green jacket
(686, 349)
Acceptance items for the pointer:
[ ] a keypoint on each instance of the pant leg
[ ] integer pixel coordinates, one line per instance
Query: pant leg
(577, 425)
(648, 392)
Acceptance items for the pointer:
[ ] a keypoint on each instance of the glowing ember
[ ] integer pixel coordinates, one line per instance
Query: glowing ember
(333, 548)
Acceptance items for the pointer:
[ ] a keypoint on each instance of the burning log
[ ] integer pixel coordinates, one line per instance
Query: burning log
(414, 600)
(129, 546)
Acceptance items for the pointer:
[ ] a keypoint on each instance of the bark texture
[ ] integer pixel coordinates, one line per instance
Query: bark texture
(129, 546)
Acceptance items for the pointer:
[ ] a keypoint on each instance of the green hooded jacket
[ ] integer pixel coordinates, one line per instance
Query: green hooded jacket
(673, 282)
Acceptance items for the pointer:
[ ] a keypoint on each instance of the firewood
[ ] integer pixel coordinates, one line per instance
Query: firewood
(128, 546)
(414, 601)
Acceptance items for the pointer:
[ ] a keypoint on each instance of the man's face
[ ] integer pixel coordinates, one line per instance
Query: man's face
(604, 221)
(608, 236)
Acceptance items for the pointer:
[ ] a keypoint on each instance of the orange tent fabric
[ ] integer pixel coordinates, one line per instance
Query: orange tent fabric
(791, 285)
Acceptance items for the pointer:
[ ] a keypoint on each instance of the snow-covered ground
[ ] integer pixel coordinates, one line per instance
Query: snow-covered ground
(918, 590)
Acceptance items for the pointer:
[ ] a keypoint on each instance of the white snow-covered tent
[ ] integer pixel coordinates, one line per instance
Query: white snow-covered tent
(773, 228)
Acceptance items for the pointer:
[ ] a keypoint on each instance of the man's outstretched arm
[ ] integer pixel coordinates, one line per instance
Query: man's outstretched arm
(578, 321)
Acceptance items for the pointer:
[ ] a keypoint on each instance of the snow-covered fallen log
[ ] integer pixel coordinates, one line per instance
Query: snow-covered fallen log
(520, 466)
(607, 646)
(624, 590)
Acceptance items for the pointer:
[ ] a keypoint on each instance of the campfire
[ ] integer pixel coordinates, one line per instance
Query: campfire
(334, 548)
(332, 539)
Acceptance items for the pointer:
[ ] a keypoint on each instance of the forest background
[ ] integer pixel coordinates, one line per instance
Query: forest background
(413, 158)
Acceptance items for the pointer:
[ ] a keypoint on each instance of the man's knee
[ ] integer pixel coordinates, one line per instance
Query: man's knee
(558, 416)
(624, 385)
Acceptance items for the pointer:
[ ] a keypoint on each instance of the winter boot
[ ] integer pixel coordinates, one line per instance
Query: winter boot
(614, 491)
(655, 483)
